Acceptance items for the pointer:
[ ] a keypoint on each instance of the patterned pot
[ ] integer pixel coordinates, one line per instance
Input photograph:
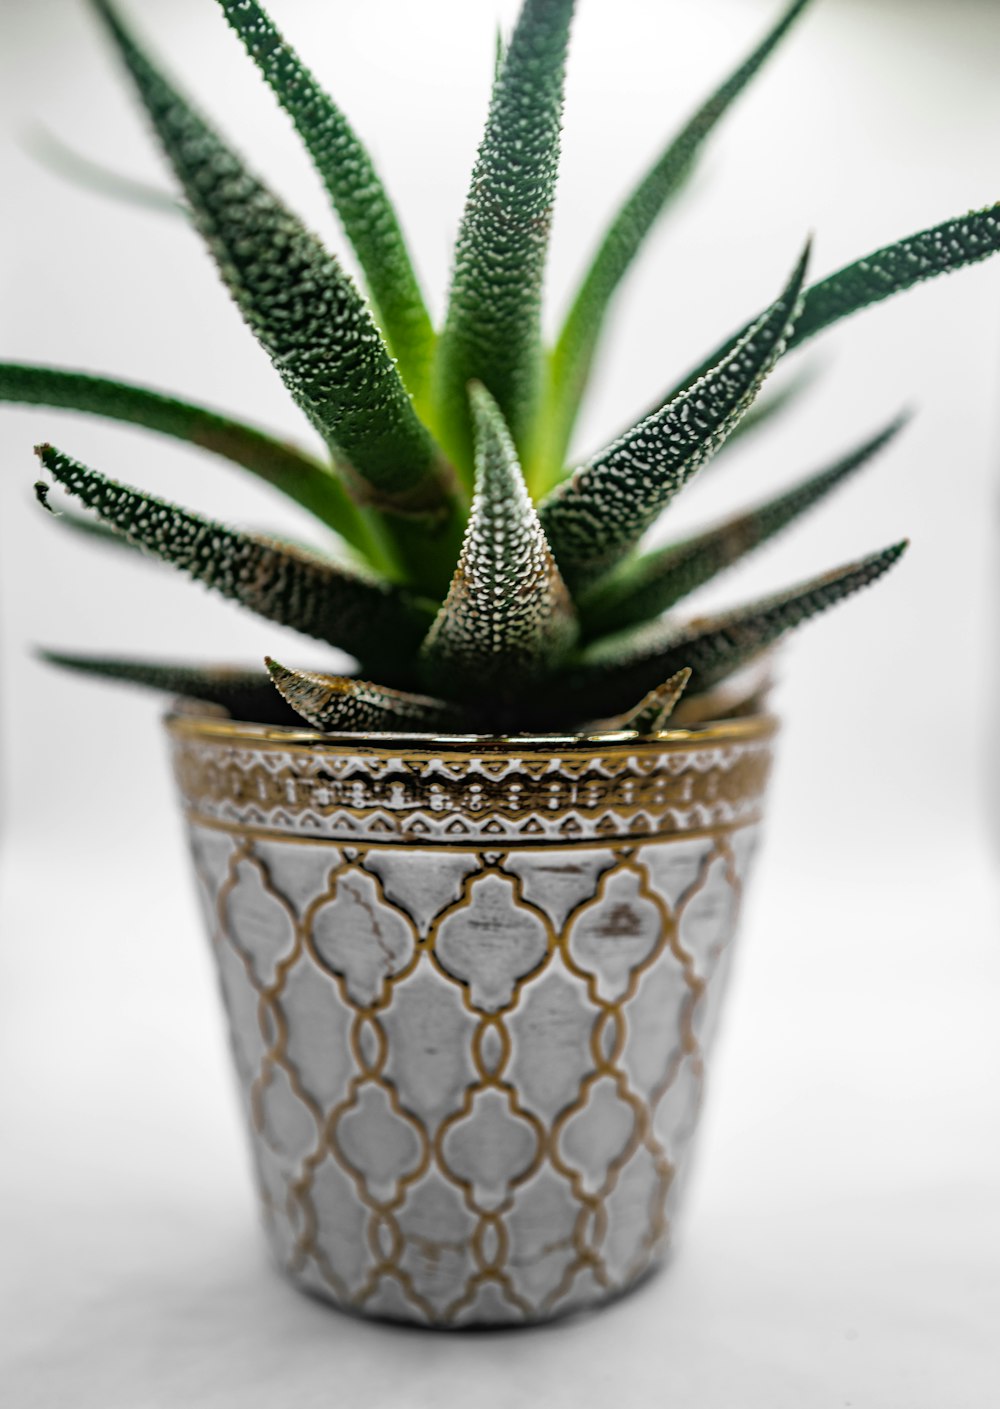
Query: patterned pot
(470, 989)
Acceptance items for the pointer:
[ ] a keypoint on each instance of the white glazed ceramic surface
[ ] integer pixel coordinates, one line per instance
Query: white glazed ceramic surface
(470, 994)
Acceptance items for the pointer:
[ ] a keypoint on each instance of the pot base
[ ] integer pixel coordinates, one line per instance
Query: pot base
(565, 1312)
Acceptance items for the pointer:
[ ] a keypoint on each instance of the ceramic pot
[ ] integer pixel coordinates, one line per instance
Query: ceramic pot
(471, 988)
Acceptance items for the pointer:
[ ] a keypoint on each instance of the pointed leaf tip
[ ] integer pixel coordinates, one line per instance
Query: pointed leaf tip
(337, 703)
(668, 697)
(942, 249)
(595, 518)
(507, 619)
(651, 714)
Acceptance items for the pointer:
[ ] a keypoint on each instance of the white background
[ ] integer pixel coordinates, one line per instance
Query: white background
(842, 1243)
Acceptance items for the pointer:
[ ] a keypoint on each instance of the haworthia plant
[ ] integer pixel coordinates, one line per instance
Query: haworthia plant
(492, 587)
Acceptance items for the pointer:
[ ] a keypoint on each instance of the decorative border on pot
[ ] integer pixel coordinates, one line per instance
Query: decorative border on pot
(471, 791)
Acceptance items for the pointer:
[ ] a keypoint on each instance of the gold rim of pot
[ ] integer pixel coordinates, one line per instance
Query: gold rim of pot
(723, 731)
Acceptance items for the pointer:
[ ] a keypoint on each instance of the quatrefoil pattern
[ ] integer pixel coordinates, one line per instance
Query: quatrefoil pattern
(471, 1075)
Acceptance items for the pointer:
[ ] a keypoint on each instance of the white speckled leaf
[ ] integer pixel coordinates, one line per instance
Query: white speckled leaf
(373, 620)
(492, 329)
(651, 584)
(358, 195)
(595, 518)
(942, 249)
(339, 703)
(296, 299)
(508, 618)
(965, 240)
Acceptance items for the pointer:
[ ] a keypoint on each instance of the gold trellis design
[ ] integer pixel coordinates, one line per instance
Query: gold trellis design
(471, 1069)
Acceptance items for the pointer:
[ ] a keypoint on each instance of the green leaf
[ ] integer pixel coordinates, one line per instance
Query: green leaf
(340, 704)
(573, 354)
(65, 161)
(595, 518)
(943, 249)
(651, 714)
(292, 471)
(492, 330)
(897, 267)
(616, 669)
(84, 527)
(769, 404)
(373, 620)
(244, 693)
(304, 310)
(354, 187)
(508, 619)
(651, 584)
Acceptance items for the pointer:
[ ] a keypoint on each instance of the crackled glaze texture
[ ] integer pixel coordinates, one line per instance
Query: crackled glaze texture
(470, 993)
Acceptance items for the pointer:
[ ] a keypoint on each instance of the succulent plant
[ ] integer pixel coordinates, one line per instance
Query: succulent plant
(480, 582)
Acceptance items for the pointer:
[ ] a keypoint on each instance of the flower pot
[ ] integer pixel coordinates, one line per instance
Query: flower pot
(471, 988)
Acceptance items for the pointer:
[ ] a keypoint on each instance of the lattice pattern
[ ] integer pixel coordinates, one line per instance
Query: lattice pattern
(471, 1076)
